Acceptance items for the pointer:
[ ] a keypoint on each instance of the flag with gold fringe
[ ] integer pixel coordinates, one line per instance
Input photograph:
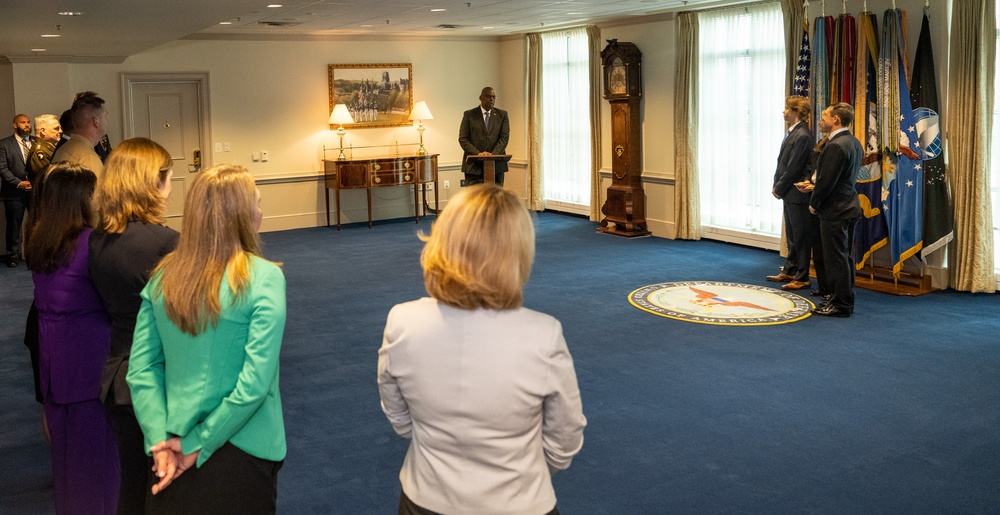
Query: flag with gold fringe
(938, 219)
(871, 233)
(902, 167)
(822, 48)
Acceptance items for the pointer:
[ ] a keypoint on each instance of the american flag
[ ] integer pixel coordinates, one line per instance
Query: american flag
(800, 86)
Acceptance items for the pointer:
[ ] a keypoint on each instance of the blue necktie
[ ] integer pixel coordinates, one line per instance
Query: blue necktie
(487, 119)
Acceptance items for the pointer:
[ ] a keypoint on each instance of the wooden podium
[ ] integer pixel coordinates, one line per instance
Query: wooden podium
(489, 165)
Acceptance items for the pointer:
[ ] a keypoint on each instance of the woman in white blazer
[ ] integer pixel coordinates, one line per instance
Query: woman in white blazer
(482, 387)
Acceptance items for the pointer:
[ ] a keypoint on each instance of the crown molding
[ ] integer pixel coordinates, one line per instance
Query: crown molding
(62, 59)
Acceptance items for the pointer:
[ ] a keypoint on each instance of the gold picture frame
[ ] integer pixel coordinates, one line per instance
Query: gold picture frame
(378, 95)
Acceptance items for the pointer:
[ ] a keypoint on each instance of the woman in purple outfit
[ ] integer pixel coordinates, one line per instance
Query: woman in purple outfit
(74, 338)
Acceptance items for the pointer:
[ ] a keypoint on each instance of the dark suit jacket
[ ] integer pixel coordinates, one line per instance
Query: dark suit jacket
(12, 169)
(475, 137)
(793, 164)
(120, 265)
(834, 196)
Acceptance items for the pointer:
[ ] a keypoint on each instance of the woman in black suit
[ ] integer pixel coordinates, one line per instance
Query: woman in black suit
(129, 241)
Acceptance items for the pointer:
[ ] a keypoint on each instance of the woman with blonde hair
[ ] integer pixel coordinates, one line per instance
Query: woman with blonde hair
(204, 364)
(74, 334)
(129, 241)
(484, 389)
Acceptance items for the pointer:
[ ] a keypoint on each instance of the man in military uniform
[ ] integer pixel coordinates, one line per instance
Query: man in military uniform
(48, 132)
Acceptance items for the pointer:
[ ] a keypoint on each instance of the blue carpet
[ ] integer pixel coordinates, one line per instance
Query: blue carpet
(895, 410)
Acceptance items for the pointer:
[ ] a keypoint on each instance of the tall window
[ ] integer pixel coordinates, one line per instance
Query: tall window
(741, 96)
(566, 121)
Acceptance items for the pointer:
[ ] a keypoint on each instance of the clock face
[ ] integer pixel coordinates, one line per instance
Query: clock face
(616, 80)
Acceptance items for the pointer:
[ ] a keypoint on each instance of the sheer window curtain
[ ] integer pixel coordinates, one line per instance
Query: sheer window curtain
(566, 124)
(741, 54)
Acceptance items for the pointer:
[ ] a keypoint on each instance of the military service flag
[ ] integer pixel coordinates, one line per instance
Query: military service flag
(938, 219)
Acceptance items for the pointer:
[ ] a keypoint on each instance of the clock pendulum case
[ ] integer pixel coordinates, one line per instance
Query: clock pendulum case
(624, 209)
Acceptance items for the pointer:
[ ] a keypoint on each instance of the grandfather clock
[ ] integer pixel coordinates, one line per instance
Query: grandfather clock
(625, 208)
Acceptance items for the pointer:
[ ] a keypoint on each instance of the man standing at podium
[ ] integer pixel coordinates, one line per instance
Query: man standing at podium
(484, 132)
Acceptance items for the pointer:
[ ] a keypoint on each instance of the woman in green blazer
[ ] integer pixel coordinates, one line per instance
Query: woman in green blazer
(204, 366)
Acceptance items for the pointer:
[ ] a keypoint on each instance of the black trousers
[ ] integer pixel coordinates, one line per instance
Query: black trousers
(471, 179)
(13, 210)
(838, 257)
(406, 507)
(135, 464)
(798, 237)
(31, 342)
(230, 482)
(823, 284)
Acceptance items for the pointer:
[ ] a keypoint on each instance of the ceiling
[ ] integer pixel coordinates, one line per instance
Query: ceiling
(112, 30)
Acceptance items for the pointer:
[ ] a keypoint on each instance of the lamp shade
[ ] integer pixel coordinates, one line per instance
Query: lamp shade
(340, 115)
(421, 112)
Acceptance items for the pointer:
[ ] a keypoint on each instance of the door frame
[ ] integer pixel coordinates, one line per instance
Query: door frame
(200, 79)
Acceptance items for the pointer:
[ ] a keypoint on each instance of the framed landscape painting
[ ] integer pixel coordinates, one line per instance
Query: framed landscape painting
(377, 95)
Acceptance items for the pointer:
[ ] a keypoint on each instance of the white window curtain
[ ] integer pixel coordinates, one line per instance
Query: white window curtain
(566, 121)
(741, 98)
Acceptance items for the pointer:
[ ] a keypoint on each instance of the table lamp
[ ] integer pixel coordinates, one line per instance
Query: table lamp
(420, 113)
(339, 117)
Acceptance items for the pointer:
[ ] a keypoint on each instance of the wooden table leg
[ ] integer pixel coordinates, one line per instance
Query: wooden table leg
(416, 200)
(337, 195)
(369, 190)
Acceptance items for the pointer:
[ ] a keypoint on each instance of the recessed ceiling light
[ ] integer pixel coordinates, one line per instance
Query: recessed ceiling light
(38, 49)
(487, 28)
(574, 14)
(367, 25)
(438, 10)
(225, 23)
(71, 13)
(51, 35)
(272, 6)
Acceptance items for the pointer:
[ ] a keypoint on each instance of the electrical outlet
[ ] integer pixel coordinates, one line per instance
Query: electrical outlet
(447, 184)
(218, 147)
(263, 155)
(227, 147)
(255, 156)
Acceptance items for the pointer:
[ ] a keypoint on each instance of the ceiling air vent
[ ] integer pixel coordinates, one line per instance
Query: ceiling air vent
(278, 24)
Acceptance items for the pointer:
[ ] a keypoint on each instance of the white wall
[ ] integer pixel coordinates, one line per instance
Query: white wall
(656, 40)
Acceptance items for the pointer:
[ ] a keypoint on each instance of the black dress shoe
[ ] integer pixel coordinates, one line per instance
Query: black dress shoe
(829, 310)
(13, 262)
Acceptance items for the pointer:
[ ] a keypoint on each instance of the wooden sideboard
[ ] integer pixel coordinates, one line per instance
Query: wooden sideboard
(380, 172)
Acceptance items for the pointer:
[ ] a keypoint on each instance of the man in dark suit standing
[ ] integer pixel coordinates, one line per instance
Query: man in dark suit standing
(835, 201)
(15, 189)
(793, 167)
(484, 131)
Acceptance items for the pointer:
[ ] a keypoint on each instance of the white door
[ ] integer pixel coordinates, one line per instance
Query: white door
(171, 110)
